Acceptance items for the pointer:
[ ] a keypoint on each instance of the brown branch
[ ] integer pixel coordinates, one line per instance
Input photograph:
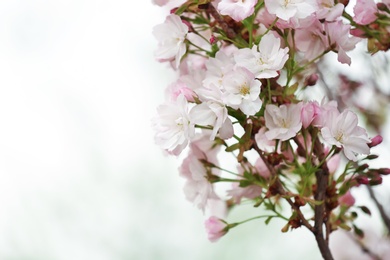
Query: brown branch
(364, 248)
(281, 190)
(382, 212)
(320, 214)
(230, 33)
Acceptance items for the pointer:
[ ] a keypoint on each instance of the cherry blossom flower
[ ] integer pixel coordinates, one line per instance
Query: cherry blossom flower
(347, 199)
(328, 11)
(283, 122)
(172, 126)
(266, 61)
(311, 41)
(338, 33)
(309, 112)
(215, 228)
(342, 131)
(365, 12)
(237, 9)
(171, 35)
(263, 142)
(197, 188)
(242, 91)
(251, 191)
(286, 9)
(217, 68)
(215, 114)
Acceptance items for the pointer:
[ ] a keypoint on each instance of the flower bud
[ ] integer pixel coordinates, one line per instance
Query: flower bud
(213, 39)
(311, 80)
(375, 141)
(358, 33)
(376, 181)
(382, 7)
(215, 228)
(362, 180)
(347, 199)
(384, 171)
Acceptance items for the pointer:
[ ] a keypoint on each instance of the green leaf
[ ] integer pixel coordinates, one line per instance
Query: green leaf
(291, 90)
(358, 231)
(365, 210)
(245, 183)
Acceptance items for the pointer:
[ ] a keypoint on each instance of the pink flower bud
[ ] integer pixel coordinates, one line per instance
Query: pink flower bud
(347, 199)
(375, 141)
(362, 180)
(358, 33)
(311, 80)
(213, 39)
(215, 228)
(384, 171)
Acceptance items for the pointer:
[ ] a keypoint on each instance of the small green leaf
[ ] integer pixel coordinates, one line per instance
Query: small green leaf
(365, 210)
(291, 90)
(245, 183)
(358, 231)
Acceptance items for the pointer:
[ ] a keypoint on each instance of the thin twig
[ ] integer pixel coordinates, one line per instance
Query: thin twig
(382, 212)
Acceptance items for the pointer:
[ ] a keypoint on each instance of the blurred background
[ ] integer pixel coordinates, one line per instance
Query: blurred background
(80, 175)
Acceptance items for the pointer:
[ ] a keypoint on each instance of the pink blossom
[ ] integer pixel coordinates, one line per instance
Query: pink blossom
(286, 9)
(328, 11)
(342, 131)
(250, 192)
(171, 36)
(215, 228)
(311, 40)
(347, 199)
(365, 12)
(172, 126)
(242, 91)
(326, 110)
(283, 122)
(217, 68)
(267, 60)
(375, 141)
(215, 114)
(338, 33)
(197, 188)
(160, 2)
(237, 9)
(262, 168)
(309, 111)
(263, 142)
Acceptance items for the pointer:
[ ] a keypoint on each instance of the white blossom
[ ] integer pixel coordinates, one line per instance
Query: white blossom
(242, 91)
(264, 60)
(342, 131)
(171, 35)
(283, 122)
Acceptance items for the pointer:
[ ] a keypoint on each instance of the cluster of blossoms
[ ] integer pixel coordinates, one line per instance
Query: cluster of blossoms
(243, 70)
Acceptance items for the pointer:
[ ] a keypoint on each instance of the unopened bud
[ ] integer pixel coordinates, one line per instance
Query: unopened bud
(311, 80)
(384, 171)
(375, 141)
(358, 33)
(213, 39)
(382, 7)
(376, 181)
(362, 180)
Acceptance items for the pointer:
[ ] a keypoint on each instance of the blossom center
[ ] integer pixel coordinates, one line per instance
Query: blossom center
(244, 90)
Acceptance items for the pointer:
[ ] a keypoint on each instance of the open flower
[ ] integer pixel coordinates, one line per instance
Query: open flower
(242, 91)
(171, 35)
(282, 122)
(264, 60)
(172, 125)
(237, 9)
(286, 9)
(342, 131)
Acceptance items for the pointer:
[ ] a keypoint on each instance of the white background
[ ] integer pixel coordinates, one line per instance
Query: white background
(80, 175)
